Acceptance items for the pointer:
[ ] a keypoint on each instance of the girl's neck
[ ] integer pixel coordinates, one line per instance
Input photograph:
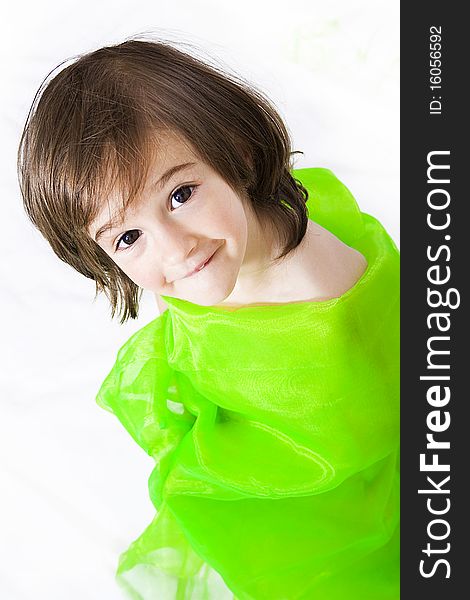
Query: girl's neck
(261, 281)
(320, 268)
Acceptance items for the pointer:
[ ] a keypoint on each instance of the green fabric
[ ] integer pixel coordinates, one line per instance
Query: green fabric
(275, 433)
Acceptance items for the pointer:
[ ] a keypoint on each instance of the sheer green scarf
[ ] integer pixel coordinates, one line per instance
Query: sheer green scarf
(275, 434)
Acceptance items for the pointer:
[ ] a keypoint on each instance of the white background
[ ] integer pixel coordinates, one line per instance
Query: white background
(73, 482)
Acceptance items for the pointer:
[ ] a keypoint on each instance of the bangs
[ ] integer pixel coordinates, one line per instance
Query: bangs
(120, 172)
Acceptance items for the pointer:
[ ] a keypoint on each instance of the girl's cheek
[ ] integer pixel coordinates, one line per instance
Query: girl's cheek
(150, 278)
(136, 273)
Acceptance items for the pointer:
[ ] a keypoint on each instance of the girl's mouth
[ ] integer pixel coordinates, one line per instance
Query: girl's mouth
(203, 266)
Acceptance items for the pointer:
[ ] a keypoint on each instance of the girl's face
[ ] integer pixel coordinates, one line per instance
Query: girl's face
(186, 216)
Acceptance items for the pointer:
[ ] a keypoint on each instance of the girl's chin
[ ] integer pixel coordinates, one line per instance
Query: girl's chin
(209, 295)
(207, 299)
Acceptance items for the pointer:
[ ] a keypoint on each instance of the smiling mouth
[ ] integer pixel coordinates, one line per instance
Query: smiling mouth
(201, 267)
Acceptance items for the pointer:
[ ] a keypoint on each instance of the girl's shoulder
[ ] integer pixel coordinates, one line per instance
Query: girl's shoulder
(336, 266)
(144, 343)
(331, 204)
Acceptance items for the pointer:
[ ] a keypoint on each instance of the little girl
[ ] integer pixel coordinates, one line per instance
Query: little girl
(267, 389)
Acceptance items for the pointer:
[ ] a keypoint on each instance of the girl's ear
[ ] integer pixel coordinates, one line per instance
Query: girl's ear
(248, 158)
(241, 145)
(247, 155)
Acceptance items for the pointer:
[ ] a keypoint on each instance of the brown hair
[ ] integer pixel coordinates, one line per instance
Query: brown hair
(91, 128)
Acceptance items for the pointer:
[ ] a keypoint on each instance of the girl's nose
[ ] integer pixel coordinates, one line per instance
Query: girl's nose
(174, 245)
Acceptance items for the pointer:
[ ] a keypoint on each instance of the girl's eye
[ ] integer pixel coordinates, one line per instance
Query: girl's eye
(128, 239)
(180, 196)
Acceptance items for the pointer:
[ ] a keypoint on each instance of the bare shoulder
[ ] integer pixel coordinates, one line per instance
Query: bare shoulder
(342, 266)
